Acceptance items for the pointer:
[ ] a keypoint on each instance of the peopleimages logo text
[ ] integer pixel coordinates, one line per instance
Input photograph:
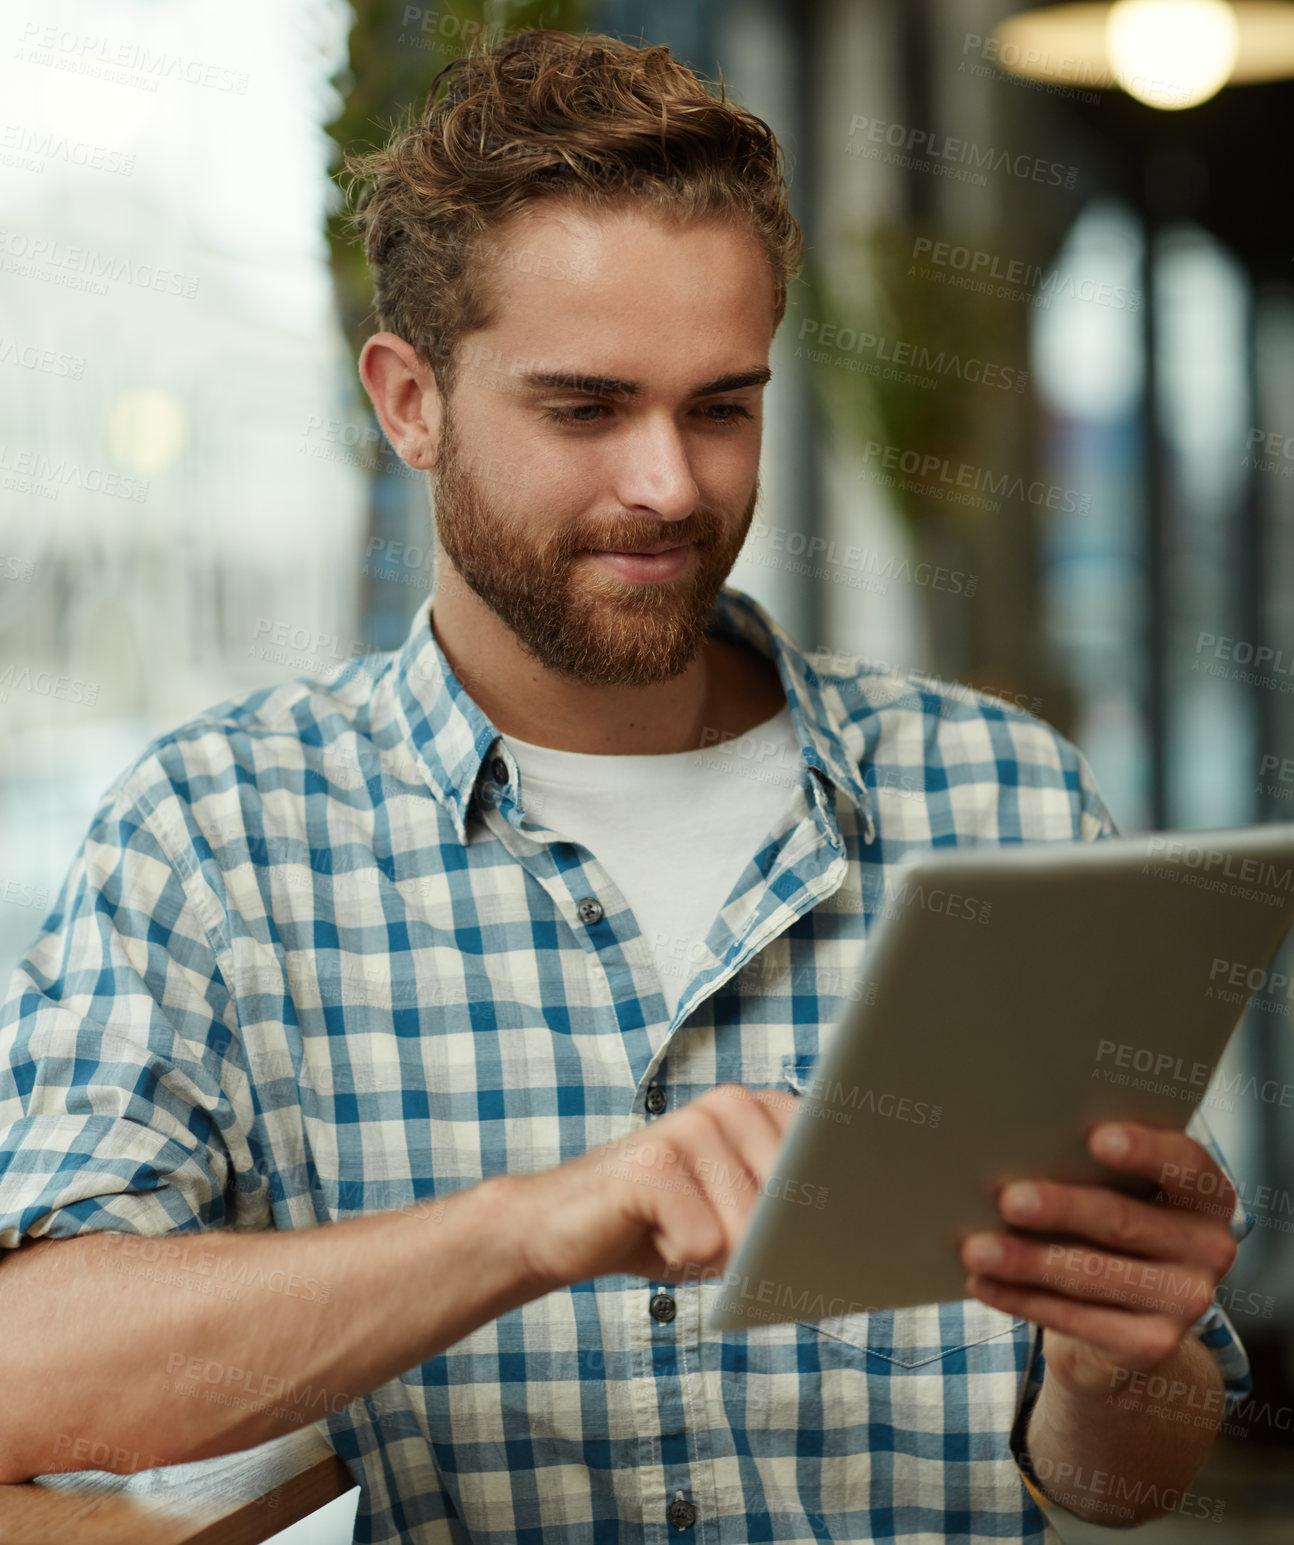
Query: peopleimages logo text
(1242, 652)
(1196, 856)
(934, 467)
(1046, 284)
(943, 147)
(841, 341)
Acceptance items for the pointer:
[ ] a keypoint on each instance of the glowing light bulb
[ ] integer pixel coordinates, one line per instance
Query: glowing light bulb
(1172, 53)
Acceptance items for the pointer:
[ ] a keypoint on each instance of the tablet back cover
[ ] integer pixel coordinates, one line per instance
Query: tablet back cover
(1102, 985)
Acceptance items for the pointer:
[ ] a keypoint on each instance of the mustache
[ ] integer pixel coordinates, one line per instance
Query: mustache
(698, 528)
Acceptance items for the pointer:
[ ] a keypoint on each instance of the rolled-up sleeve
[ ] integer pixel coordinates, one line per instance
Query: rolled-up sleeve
(115, 1038)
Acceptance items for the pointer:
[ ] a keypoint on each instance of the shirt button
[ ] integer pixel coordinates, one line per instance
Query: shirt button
(499, 770)
(663, 1308)
(681, 1513)
(590, 910)
(655, 1100)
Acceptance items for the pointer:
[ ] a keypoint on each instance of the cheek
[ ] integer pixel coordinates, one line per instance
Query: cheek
(572, 479)
(522, 471)
(729, 463)
(728, 479)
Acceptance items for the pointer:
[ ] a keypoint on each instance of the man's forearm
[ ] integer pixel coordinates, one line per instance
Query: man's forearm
(124, 1353)
(1127, 1455)
(180, 1348)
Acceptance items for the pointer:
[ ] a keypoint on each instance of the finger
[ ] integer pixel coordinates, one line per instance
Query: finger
(1184, 1170)
(1102, 1216)
(1194, 1180)
(1136, 1341)
(719, 1149)
(657, 1188)
(725, 1143)
(1077, 1271)
(780, 1105)
(752, 1121)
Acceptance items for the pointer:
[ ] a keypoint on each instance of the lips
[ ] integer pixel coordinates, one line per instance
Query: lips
(644, 552)
(656, 565)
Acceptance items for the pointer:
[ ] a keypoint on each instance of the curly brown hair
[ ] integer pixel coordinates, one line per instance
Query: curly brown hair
(546, 114)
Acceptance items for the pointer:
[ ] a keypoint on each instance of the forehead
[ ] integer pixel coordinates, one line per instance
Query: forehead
(568, 283)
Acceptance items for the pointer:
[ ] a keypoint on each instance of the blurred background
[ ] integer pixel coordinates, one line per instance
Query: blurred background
(1031, 425)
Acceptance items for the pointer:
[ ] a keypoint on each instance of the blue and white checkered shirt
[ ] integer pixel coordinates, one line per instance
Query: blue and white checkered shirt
(313, 961)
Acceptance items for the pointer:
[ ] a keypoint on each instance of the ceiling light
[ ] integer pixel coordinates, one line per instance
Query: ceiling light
(1172, 53)
(1168, 53)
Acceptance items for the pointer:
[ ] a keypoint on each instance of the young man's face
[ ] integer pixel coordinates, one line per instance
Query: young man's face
(543, 487)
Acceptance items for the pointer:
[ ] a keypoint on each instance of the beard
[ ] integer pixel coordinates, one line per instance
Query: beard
(573, 617)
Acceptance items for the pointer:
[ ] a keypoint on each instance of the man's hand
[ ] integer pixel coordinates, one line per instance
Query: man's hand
(667, 1201)
(1139, 1274)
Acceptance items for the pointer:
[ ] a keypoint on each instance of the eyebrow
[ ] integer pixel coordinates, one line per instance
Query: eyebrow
(612, 386)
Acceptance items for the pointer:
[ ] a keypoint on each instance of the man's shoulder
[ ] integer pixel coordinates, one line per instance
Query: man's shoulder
(265, 738)
(865, 686)
(893, 721)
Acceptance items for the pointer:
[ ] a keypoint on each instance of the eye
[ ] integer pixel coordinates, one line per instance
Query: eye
(738, 412)
(567, 415)
(729, 414)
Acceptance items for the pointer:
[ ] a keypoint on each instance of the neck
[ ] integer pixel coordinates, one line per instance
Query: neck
(726, 690)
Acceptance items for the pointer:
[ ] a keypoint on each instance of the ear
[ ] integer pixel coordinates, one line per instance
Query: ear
(405, 398)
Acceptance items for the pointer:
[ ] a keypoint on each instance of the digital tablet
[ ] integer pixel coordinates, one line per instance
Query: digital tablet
(1089, 982)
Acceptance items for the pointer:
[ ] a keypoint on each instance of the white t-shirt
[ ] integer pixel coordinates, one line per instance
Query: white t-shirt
(673, 831)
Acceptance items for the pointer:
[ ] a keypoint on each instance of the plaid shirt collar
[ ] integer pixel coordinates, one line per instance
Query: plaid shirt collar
(452, 737)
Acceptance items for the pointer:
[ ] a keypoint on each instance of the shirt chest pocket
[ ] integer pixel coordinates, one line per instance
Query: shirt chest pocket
(943, 1337)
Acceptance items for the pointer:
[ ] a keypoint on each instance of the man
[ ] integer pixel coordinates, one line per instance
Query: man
(378, 980)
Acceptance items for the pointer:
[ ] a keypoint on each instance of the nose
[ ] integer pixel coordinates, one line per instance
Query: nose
(653, 474)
